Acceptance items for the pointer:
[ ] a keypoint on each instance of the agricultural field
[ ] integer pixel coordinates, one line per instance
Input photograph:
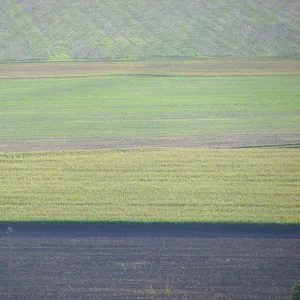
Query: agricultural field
(130, 115)
(91, 29)
(149, 149)
(210, 67)
(152, 185)
(221, 109)
(150, 180)
(149, 265)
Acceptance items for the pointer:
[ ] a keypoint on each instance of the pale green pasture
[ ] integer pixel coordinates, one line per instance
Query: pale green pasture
(152, 185)
(142, 107)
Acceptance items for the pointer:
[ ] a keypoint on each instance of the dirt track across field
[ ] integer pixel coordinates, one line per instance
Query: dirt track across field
(149, 264)
(203, 141)
(205, 67)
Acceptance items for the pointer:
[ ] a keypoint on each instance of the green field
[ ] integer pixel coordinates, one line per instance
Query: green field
(241, 103)
(83, 30)
(122, 107)
(152, 185)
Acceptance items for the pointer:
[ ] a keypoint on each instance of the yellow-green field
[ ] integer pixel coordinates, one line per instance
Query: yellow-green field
(210, 103)
(152, 185)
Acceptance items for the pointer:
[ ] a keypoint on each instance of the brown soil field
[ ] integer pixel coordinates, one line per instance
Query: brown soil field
(206, 67)
(203, 141)
(148, 264)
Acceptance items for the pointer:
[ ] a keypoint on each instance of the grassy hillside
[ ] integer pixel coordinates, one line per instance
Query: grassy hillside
(129, 29)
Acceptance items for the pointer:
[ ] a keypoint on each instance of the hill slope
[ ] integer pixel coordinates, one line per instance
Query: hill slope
(105, 29)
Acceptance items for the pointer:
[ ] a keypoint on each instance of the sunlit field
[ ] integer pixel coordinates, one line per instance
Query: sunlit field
(172, 184)
(152, 185)
(148, 107)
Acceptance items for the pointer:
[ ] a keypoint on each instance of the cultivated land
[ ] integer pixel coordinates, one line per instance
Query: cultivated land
(149, 184)
(162, 215)
(93, 29)
(152, 185)
(150, 222)
(149, 265)
(210, 105)
(251, 66)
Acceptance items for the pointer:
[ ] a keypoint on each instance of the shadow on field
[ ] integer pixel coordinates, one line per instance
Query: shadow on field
(155, 229)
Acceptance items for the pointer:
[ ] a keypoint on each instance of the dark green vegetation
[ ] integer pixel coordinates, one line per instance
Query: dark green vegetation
(93, 29)
(152, 185)
(296, 292)
(148, 107)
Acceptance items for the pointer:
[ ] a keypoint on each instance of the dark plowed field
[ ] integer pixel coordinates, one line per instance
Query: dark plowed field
(99, 264)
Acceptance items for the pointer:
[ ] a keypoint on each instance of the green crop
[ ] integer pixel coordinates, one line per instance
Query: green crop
(152, 185)
(121, 107)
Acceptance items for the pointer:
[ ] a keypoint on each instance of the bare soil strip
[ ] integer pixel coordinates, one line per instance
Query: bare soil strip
(78, 265)
(207, 67)
(203, 141)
